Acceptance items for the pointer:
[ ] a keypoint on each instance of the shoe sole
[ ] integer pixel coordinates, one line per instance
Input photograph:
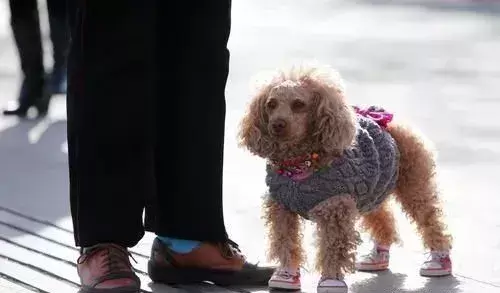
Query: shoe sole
(243, 277)
(332, 290)
(276, 285)
(372, 267)
(435, 273)
(117, 290)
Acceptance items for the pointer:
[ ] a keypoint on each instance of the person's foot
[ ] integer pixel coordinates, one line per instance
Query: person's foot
(106, 268)
(330, 285)
(32, 94)
(376, 260)
(19, 111)
(285, 279)
(222, 264)
(438, 265)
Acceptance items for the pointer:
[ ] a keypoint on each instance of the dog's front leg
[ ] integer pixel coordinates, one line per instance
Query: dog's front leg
(285, 235)
(337, 241)
(285, 245)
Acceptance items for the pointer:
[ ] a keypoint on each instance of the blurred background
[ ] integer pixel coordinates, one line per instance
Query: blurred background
(434, 63)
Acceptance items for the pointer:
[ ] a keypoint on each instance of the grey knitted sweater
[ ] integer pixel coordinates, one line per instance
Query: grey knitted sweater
(368, 171)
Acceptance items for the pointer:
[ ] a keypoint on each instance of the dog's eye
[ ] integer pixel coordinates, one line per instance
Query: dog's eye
(272, 104)
(298, 105)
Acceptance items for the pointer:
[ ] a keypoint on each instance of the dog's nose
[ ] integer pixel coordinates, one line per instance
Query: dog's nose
(279, 125)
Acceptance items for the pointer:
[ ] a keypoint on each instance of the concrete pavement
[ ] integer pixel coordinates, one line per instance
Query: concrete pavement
(435, 64)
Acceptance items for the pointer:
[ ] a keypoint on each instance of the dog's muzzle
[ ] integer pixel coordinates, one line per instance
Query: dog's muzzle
(279, 127)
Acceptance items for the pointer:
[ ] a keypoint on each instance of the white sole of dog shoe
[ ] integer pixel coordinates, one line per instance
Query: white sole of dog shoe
(332, 286)
(324, 289)
(435, 273)
(365, 267)
(277, 285)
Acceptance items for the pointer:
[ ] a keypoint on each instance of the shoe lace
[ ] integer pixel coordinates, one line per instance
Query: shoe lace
(229, 249)
(436, 256)
(287, 273)
(372, 254)
(116, 257)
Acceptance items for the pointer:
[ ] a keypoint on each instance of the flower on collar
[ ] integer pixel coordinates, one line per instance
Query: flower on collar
(297, 167)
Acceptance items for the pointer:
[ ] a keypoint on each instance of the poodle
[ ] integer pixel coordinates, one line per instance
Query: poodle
(335, 164)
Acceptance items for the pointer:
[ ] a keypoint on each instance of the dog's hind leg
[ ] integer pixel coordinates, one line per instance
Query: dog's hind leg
(417, 192)
(416, 188)
(337, 240)
(381, 225)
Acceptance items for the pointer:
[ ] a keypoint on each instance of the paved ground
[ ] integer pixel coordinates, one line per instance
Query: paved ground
(435, 64)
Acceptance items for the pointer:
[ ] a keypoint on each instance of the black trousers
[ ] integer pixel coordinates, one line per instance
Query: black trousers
(25, 23)
(146, 113)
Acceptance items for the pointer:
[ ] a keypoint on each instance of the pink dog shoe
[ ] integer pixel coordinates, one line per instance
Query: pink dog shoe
(376, 260)
(328, 285)
(438, 265)
(285, 279)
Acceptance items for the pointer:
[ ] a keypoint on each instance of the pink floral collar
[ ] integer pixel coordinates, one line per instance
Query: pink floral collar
(297, 168)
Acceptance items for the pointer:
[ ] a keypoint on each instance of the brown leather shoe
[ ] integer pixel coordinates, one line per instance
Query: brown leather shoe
(106, 268)
(222, 264)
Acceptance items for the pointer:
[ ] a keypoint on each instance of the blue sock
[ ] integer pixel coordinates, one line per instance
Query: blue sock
(179, 245)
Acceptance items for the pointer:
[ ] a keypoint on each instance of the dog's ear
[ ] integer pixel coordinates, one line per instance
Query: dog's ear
(333, 123)
(253, 133)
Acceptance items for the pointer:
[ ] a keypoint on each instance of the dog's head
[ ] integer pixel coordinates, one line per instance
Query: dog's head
(299, 110)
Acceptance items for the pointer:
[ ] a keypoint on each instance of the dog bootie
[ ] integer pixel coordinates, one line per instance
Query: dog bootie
(329, 285)
(376, 260)
(438, 265)
(285, 279)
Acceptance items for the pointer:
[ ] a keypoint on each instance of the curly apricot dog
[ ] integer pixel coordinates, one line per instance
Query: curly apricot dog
(331, 163)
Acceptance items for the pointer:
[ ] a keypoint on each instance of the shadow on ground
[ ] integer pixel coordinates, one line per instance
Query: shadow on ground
(391, 282)
(380, 282)
(33, 170)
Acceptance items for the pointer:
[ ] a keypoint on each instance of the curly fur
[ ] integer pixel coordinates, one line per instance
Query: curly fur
(326, 125)
(331, 122)
(285, 235)
(380, 224)
(337, 236)
(417, 189)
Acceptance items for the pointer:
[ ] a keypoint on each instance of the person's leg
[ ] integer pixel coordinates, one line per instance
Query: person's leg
(190, 178)
(59, 34)
(25, 26)
(71, 13)
(110, 129)
(110, 134)
(187, 214)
